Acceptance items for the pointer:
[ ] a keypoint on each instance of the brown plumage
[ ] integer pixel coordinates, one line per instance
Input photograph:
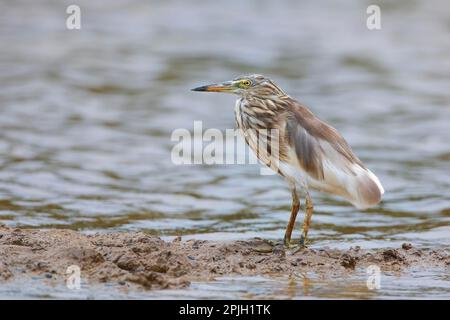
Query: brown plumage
(291, 140)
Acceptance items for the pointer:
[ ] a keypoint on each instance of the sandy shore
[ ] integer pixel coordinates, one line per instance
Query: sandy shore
(138, 259)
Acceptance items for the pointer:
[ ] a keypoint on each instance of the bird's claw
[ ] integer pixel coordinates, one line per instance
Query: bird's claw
(302, 241)
(298, 248)
(280, 247)
(294, 248)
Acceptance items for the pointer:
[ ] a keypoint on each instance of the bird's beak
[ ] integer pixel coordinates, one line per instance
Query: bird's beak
(227, 86)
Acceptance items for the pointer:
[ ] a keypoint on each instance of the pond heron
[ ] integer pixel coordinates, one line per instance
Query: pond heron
(306, 151)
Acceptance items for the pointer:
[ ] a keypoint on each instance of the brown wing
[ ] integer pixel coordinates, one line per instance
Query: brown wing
(304, 133)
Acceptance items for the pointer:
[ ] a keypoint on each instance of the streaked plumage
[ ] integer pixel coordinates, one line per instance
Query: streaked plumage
(310, 153)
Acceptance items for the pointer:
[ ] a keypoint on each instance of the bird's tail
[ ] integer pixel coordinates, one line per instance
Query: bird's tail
(365, 190)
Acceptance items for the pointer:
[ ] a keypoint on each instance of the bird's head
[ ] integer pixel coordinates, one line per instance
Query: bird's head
(251, 85)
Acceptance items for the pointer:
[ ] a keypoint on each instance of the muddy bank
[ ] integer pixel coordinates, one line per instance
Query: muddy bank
(138, 259)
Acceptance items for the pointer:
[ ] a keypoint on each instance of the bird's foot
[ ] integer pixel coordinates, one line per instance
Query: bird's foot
(298, 247)
(291, 248)
(302, 241)
(279, 247)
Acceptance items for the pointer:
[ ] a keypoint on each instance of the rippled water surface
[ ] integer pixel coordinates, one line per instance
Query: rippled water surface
(86, 118)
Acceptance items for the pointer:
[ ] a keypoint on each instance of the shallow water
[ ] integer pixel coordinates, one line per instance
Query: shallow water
(415, 284)
(86, 118)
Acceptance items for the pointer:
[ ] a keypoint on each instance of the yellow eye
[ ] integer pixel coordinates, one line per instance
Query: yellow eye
(245, 83)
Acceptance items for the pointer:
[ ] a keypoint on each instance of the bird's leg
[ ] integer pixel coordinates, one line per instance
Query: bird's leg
(307, 220)
(294, 211)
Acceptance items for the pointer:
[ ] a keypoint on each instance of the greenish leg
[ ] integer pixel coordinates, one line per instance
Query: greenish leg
(307, 220)
(294, 211)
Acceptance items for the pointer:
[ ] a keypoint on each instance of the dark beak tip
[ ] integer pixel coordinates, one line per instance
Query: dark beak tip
(202, 88)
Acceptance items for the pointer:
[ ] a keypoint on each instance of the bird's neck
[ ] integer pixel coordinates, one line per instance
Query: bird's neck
(258, 112)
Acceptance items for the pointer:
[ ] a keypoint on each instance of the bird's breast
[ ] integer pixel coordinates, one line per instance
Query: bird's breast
(255, 114)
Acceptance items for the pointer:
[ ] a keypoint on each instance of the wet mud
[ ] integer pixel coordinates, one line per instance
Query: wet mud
(148, 262)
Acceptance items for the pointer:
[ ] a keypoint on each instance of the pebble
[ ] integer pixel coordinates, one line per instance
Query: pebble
(407, 246)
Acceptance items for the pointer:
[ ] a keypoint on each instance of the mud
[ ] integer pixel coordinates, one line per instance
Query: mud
(139, 259)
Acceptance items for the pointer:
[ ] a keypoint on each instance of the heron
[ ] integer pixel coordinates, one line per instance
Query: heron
(308, 153)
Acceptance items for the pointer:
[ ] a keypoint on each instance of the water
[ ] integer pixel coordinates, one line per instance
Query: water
(86, 118)
(415, 284)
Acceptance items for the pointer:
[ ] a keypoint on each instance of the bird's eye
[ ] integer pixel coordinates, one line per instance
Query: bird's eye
(245, 83)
